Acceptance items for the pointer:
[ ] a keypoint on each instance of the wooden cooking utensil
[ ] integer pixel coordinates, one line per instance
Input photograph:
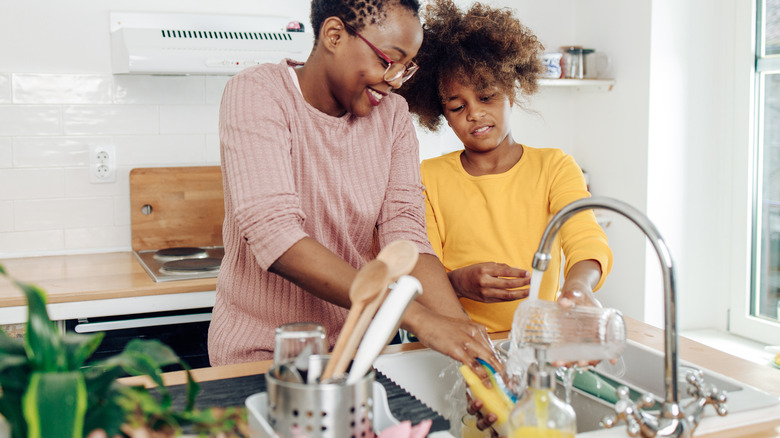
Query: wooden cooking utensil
(401, 257)
(369, 281)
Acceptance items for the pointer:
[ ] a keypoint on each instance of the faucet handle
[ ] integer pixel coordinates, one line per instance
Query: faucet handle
(628, 411)
(706, 392)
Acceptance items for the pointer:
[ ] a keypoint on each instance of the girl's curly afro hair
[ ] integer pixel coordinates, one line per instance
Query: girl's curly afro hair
(483, 47)
(358, 13)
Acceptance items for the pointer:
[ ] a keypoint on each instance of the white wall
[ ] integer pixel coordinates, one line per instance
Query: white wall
(58, 97)
(661, 140)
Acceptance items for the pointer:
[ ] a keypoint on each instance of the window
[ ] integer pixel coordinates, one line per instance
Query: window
(764, 303)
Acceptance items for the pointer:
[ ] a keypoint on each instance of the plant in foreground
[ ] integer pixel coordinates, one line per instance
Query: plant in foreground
(48, 390)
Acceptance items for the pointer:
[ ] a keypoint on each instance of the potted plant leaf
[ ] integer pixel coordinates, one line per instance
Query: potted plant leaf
(48, 390)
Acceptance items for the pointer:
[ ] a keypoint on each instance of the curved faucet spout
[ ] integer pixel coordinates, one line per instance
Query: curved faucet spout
(542, 257)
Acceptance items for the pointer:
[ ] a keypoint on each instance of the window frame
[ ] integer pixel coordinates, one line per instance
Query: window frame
(747, 179)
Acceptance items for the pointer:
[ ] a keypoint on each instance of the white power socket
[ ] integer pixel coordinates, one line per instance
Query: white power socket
(102, 163)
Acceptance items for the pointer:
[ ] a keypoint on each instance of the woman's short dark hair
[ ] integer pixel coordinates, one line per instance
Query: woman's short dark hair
(358, 13)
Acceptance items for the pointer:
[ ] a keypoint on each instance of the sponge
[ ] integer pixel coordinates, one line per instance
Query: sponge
(493, 400)
(593, 384)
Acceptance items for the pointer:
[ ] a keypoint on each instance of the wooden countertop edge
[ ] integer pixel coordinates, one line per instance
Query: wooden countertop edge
(89, 277)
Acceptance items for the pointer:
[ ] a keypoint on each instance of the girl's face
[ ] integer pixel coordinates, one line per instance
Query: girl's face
(360, 69)
(480, 118)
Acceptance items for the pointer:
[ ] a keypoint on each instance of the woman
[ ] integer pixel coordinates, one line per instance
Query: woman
(320, 164)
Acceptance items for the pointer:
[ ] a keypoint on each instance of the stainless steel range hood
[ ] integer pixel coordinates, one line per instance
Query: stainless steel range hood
(167, 43)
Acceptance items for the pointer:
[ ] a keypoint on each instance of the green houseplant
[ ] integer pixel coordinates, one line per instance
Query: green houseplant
(48, 390)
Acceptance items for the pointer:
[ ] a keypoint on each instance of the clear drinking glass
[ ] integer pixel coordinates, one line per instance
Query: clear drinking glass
(292, 339)
(577, 333)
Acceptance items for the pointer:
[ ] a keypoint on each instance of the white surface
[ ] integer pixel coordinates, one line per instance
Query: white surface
(141, 43)
(116, 306)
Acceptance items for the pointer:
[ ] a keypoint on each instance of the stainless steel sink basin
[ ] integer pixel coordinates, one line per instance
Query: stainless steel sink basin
(434, 379)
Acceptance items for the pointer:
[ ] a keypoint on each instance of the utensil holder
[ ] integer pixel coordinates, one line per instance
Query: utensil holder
(333, 410)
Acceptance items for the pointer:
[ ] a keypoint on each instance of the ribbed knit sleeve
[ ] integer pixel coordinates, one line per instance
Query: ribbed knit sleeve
(256, 149)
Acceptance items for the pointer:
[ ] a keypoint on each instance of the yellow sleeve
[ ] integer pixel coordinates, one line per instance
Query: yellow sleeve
(582, 238)
(430, 217)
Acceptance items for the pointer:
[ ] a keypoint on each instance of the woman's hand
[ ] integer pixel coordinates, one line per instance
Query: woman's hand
(459, 338)
(490, 282)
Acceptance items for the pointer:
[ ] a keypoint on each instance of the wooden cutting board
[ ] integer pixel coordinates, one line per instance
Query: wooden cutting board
(176, 206)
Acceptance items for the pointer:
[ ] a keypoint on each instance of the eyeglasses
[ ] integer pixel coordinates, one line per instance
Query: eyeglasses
(395, 70)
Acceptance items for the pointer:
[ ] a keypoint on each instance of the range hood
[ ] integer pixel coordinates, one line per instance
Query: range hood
(167, 43)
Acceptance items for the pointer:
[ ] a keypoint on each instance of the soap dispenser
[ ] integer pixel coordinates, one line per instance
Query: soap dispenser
(539, 413)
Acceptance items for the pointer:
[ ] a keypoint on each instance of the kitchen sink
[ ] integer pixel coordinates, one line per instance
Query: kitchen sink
(433, 378)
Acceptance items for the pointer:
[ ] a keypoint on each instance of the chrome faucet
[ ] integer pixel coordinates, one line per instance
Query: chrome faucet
(672, 420)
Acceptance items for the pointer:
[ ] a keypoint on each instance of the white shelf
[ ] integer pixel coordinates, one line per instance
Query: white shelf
(579, 84)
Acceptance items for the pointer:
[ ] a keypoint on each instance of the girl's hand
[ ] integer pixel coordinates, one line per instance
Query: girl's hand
(484, 422)
(490, 282)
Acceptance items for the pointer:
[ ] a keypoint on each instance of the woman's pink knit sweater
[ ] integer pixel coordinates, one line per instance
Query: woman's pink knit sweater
(291, 171)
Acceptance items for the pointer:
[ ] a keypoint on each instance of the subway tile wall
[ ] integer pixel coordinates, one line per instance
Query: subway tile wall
(48, 123)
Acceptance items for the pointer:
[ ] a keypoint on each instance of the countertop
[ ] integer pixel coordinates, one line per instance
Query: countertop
(97, 284)
(764, 377)
(110, 281)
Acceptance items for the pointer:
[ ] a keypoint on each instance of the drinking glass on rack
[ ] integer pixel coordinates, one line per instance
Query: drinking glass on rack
(291, 340)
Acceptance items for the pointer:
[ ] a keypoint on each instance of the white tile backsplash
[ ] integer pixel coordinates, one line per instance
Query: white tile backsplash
(30, 120)
(96, 237)
(63, 213)
(122, 210)
(188, 119)
(64, 89)
(159, 150)
(215, 85)
(6, 153)
(163, 90)
(6, 216)
(48, 121)
(5, 88)
(212, 149)
(26, 184)
(26, 243)
(58, 151)
(110, 119)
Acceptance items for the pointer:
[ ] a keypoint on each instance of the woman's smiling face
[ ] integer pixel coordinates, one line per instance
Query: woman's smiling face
(361, 69)
(480, 118)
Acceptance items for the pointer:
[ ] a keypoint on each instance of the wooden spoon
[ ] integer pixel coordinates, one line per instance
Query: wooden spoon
(368, 283)
(400, 257)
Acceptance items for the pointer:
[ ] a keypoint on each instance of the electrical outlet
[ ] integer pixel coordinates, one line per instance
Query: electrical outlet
(102, 164)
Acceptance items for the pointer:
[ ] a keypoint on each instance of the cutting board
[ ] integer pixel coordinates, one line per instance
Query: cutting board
(176, 206)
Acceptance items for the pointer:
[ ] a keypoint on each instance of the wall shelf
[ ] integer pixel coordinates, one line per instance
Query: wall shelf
(579, 84)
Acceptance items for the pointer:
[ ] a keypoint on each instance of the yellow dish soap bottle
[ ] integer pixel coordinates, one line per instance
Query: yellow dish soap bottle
(539, 413)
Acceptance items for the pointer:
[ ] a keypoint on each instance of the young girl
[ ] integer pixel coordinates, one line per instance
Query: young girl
(488, 205)
(321, 169)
